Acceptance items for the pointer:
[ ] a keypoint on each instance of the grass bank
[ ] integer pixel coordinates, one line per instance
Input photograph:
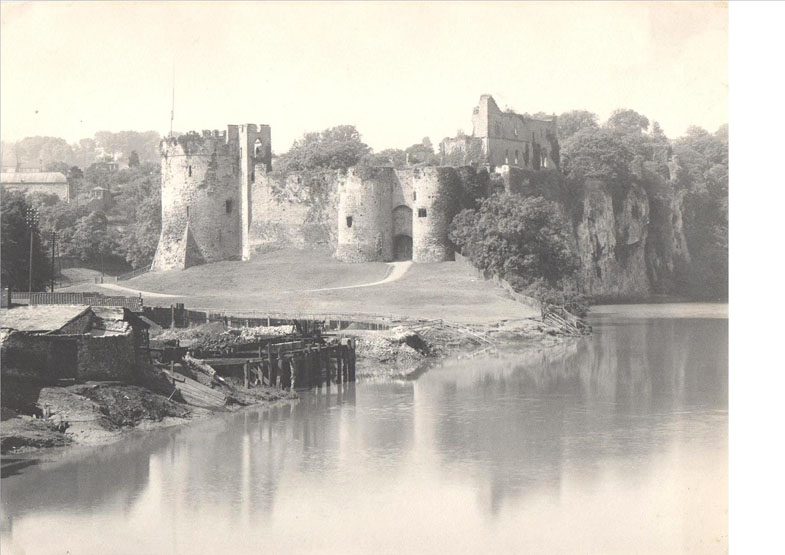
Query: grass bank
(284, 281)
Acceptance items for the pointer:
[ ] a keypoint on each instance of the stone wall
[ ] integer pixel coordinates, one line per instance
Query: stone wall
(106, 357)
(83, 357)
(285, 212)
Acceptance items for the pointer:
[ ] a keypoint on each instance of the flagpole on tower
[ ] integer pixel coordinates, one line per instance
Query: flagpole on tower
(171, 117)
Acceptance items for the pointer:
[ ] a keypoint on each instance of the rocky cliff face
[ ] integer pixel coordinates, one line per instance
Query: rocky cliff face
(630, 240)
(611, 242)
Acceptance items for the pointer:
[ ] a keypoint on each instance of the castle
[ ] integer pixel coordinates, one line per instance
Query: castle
(219, 201)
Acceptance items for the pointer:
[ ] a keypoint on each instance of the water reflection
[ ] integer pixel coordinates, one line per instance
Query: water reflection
(537, 450)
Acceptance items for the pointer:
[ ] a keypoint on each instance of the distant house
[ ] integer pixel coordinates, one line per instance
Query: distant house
(100, 199)
(36, 182)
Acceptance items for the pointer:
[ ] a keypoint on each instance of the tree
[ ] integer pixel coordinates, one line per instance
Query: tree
(139, 204)
(335, 148)
(42, 151)
(91, 239)
(524, 239)
(133, 159)
(704, 159)
(421, 153)
(394, 157)
(599, 153)
(15, 246)
(628, 121)
(573, 121)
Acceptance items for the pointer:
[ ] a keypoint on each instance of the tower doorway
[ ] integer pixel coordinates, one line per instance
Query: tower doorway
(402, 247)
(402, 233)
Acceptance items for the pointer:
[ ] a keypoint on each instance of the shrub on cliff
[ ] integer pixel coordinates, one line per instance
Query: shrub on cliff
(524, 240)
(600, 153)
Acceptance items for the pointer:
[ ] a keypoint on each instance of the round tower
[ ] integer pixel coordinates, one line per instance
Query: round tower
(365, 215)
(200, 199)
(436, 193)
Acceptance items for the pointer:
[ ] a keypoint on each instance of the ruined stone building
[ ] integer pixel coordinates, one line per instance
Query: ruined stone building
(501, 138)
(219, 201)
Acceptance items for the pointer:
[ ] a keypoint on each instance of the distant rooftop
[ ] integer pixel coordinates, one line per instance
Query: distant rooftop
(32, 177)
(40, 318)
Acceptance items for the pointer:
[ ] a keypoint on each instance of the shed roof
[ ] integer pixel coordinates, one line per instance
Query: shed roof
(119, 313)
(40, 318)
(32, 177)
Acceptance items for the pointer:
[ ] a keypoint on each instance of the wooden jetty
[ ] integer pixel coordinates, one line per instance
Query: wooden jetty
(285, 362)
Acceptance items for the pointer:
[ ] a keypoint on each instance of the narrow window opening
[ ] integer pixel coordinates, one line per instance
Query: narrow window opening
(421, 213)
(414, 195)
(516, 156)
(189, 171)
(228, 206)
(187, 211)
(507, 156)
(348, 221)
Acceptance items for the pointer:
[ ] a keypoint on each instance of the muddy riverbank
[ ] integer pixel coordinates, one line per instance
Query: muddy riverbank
(36, 417)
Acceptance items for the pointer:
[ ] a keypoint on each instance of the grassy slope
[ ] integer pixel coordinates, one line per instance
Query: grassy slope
(275, 282)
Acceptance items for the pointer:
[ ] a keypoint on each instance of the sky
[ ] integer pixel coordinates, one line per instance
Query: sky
(397, 71)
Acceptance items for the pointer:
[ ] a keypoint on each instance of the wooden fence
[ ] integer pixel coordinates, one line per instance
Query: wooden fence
(94, 299)
(183, 318)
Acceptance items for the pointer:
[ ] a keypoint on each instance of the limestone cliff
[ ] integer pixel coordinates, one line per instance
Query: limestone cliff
(630, 238)
(611, 241)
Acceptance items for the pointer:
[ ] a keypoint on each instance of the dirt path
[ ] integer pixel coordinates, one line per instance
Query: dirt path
(398, 270)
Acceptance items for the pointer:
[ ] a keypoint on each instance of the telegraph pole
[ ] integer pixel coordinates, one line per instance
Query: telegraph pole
(31, 219)
(54, 242)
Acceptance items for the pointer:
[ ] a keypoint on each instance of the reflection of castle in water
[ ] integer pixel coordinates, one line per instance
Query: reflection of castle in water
(523, 421)
(511, 426)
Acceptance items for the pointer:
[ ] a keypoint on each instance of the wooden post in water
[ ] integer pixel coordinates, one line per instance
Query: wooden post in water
(171, 371)
(352, 359)
(280, 377)
(245, 375)
(307, 370)
(338, 358)
(271, 368)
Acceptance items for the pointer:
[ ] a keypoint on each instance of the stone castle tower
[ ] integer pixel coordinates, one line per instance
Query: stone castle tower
(206, 184)
(386, 214)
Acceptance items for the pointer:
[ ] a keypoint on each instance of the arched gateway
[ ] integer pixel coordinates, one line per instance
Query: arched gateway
(402, 233)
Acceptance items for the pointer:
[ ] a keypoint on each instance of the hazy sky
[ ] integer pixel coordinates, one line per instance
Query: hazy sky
(398, 71)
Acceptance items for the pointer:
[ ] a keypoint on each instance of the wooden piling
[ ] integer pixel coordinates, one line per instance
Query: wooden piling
(246, 383)
(352, 359)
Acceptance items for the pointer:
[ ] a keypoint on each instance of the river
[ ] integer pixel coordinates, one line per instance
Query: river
(615, 443)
